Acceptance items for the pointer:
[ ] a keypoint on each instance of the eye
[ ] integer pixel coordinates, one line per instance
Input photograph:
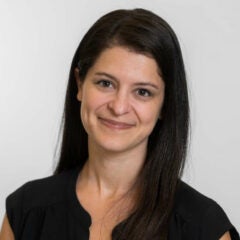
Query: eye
(144, 92)
(104, 83)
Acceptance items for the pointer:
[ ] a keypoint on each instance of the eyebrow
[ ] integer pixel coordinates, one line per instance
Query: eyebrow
(137, 83)
(106, 74)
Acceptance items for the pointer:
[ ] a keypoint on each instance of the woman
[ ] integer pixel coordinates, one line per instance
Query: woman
(124, 145)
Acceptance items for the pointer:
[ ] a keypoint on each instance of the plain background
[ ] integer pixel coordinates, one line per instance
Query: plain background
(37, 42)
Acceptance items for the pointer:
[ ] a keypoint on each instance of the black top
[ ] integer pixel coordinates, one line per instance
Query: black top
(49, 209)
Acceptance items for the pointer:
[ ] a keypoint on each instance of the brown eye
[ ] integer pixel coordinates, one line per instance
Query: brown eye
(144, 92)
(104, 83)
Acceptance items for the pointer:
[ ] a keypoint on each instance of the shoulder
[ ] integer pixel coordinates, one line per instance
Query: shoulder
(39, 192)
(29, 205)
(200, 214)
(192, 204)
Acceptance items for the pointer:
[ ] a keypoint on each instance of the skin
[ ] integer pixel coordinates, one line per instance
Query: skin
(6, 231)
(121, 99)
(128, 96)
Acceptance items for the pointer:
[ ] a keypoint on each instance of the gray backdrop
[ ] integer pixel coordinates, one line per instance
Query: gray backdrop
(37, 42)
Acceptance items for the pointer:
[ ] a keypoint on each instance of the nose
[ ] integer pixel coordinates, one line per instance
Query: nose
(119, 105)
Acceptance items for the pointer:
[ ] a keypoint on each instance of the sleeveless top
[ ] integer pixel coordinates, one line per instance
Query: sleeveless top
(48, 208)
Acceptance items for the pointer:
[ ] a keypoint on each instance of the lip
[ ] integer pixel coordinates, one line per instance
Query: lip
(115, 124)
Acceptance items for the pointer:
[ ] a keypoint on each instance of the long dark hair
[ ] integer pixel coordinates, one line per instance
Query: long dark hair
(144, 32)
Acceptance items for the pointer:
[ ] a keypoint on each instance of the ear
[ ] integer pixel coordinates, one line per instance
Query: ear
(160, 115)
(79, 84)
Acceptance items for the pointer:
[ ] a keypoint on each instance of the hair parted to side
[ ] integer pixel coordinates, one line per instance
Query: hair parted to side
(143, 32)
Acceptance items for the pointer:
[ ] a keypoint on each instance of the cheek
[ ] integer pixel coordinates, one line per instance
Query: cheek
(91, 102)
(149, 114)
(86, 105)
(150, 120)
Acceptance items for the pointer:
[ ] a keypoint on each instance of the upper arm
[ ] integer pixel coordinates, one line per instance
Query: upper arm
(226, 236)
(6, 231)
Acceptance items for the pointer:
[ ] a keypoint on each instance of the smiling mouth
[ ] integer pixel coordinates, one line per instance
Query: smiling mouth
(115, 124)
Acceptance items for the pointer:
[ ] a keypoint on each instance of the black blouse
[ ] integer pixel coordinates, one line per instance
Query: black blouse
(49, 209)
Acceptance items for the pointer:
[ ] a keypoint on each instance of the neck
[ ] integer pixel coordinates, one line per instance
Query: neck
(111, 173)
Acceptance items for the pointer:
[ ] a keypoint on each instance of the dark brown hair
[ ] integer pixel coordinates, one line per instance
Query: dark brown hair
(144, 32)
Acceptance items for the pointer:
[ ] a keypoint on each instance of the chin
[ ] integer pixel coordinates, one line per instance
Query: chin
(116, 147)
(120, 145)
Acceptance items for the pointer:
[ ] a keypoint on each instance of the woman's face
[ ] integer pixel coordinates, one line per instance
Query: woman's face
(121, 99)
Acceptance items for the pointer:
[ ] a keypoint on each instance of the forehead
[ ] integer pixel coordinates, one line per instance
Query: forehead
(124, 62)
